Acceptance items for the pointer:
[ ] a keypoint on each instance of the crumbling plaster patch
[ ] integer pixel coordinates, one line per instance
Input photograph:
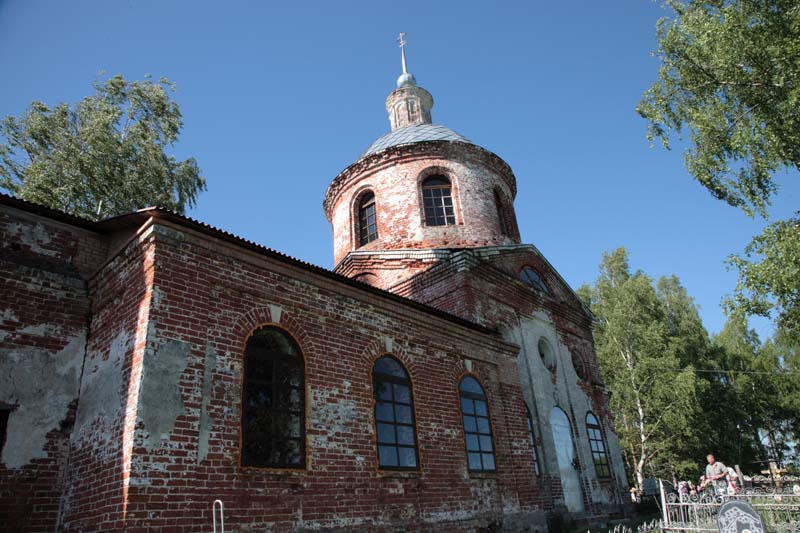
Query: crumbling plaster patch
(33, 235)
(100, 388)
(564, 393)
(160, 402)
(41, 385)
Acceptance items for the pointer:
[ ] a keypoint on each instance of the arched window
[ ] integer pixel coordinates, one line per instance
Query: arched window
(273, 406)
(598, 447)
(367, 220)
(438, 201)
(530, 277)
(546, 353)
(394, 416)
(477, 429)
(533, 440)
(505, 227)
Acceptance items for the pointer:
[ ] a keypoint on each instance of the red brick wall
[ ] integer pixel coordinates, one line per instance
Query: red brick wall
(483, 286)
(395, 177)
(102, 439)
(44, 310)
(209, 298)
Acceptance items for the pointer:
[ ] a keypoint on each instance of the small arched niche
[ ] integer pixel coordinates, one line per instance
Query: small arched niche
(547, 354)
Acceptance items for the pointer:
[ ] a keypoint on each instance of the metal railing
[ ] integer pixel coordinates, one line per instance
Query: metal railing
(779, 509)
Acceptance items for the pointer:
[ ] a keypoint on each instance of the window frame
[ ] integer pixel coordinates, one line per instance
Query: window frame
(500, 205)
(276, 359)
(438, 203)
(602, 466)
(364, 236)
(5, 417)
(394, 380)
(473, 397)
(536, 283)
(532, 435)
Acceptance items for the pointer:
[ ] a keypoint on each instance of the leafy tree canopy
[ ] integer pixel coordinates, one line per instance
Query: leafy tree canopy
(769, 276)
(103, 156)
(677, 395)
(730, 77)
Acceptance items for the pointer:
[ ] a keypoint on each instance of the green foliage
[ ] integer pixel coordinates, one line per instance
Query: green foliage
(677, 395)
(103, 156)
(653, 395)
(769, 279)
(730, 76)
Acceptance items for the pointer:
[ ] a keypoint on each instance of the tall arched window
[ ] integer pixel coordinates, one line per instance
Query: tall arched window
(505, 227)
(273, 401)
(533, 440)
(438, 201)
(598, 446)
(394, 416)
(477, 429)
(367, 219)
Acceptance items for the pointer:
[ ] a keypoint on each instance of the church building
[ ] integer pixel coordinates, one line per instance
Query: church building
(442, 377)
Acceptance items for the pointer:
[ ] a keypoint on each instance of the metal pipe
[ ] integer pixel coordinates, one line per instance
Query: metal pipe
(221, 515)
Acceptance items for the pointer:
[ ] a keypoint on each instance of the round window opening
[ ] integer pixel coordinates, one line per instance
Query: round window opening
(579, 366)
(546, 353)
(532, 278)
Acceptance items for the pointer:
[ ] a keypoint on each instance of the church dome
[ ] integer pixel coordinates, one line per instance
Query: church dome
(413, 134)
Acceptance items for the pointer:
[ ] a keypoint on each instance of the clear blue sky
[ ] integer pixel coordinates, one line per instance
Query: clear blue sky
(279, 97)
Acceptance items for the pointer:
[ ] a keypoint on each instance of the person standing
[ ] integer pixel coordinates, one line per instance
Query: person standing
(733, 488)
(717, 473)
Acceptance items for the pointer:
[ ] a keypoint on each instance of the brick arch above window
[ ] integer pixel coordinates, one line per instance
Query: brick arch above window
(276, 315)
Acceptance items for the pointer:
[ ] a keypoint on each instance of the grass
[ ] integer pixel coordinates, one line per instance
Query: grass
(607, 526)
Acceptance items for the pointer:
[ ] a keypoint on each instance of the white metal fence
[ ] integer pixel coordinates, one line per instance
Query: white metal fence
(779, 507)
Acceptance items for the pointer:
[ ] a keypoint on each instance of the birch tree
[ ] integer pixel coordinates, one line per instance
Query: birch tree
(103, 156)
(728, 87)
(652, 394)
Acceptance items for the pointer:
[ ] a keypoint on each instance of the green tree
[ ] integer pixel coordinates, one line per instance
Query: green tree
(730, 77)
(103, 156)
(652, 394)
(769, 276)
(762, 415)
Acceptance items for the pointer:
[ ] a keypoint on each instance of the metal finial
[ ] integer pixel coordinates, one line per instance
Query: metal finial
(402, 41)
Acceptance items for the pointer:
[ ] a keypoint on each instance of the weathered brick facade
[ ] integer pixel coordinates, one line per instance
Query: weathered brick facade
(123, 345)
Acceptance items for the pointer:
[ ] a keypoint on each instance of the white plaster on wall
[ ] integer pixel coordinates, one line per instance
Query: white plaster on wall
(41, 385)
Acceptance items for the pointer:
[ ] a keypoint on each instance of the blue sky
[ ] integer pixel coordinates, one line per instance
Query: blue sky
(279, 97)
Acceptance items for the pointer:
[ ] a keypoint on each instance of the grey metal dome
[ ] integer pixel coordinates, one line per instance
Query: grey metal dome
(406, 79)
(413, 134)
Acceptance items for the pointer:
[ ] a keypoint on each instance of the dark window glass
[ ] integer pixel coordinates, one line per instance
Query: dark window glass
(394, 416)
(4, 413)
(532, 278)
(501, 214)
(438, 202)
(367, 221)
(533, 440)
(477, 430)
(273, 407)
(598, 447)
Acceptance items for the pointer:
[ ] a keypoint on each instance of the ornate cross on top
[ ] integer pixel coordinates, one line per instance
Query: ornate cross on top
(401, 39)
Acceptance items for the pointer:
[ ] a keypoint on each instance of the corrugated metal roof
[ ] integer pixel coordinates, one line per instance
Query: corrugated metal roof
(413, 134)
(116, 223)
